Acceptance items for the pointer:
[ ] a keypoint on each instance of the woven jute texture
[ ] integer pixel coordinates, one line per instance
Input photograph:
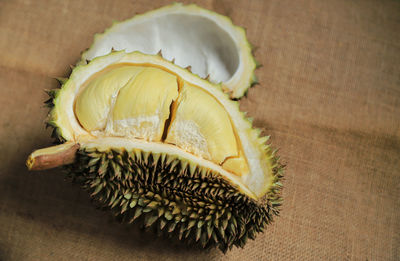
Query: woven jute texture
(329, 96)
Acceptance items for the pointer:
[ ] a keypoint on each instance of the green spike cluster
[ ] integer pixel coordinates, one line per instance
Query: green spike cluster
(174, 197)
(53, 93)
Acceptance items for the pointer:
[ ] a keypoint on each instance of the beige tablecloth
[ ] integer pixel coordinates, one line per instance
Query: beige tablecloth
(329, 96)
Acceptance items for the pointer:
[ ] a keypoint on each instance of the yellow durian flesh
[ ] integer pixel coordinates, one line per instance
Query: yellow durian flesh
(146, 102)
(142, 106)
(138, 96)
(93, 104)
(201, 120)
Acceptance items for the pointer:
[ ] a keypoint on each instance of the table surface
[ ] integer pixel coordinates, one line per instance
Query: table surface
(329, 95)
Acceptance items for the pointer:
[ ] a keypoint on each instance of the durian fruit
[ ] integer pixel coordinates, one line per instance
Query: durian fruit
(191, 36)
(155, 143)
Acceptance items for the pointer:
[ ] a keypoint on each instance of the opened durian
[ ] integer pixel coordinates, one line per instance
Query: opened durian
(156, 143)
(191, 36)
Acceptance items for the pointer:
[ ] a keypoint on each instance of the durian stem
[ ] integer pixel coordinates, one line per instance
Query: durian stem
(52, 157)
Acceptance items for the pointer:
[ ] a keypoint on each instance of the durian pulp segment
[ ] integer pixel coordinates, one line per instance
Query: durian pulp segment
(145, 102)
(93, 104)
(202, 126)
(127, 101)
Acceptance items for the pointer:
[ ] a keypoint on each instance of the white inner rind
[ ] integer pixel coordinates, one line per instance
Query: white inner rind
(259, 177)
(192, 36)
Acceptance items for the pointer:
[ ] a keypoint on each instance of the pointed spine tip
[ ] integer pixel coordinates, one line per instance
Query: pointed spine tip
(61, 80)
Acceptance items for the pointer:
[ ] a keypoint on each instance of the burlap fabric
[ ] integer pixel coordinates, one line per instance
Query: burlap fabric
(329, 96)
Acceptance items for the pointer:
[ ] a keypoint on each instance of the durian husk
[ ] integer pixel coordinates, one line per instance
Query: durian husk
(171, 197)
(236, 86)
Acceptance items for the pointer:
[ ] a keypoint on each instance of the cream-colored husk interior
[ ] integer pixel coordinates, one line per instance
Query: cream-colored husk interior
(118, 121)
(191, 36)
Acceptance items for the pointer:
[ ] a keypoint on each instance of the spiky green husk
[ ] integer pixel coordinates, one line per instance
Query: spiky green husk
(53, 93)
(174, 198)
